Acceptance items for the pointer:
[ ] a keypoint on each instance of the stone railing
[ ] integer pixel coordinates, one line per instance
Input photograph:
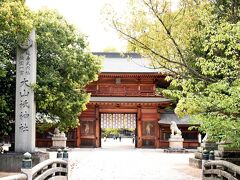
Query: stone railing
(15, 177)
(48, 169)
(218, 169)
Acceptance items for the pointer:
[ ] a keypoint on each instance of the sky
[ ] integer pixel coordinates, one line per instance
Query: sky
(86, 16)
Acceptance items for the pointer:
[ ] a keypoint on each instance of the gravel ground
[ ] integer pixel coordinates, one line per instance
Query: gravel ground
(122, 161)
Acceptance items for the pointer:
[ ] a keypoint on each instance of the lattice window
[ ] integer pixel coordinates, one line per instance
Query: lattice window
(117, 120)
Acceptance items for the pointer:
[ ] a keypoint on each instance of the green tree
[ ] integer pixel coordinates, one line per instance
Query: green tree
(228, 9)
(64, 66)
(155, 31)
(110, 132)
(198, 45)
(15, 24)
(214, 104)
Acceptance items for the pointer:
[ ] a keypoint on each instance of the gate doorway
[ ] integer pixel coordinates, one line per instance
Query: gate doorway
(118, 130)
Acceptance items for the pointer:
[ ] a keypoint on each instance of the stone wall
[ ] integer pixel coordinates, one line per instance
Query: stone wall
(12, 162)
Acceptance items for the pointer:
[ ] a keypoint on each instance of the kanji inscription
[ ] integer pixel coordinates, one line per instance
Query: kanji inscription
(25, 105)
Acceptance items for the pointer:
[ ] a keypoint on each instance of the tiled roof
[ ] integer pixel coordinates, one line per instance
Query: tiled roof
(129, 99)
(166, 118)
(127, 63)
(117, 54)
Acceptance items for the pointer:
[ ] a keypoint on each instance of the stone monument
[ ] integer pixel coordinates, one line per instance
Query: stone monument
(175, 140)
(25, 104)
(25, 129)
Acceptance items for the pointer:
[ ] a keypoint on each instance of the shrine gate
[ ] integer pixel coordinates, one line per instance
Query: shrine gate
(126, 88)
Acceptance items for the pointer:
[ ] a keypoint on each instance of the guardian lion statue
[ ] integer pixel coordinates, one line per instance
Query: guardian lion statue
(175, 129)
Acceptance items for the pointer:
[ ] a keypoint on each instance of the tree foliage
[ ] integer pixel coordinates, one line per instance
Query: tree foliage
(64, 66)
(15, 25)
(198, 45)
(155, 31)
(214, 104)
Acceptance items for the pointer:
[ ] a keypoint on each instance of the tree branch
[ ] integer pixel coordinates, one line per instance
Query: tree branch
(168, 32)
(144, 46)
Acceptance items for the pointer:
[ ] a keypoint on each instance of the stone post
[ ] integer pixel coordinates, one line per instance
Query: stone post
(27, 161)
(59, 153)
(27, 165)
(65, 154)
(211, 155)
(25, 105)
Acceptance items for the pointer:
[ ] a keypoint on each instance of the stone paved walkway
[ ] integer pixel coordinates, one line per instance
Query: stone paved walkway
(121, 163)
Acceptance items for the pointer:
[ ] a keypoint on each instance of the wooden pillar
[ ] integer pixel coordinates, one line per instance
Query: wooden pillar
(154, 85)
(139, 127)
(78, 136)
(97, 88)
(139, 89)
(157, 141)
(98, 137)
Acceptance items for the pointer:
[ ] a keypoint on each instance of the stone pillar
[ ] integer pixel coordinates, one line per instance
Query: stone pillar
(25, 105)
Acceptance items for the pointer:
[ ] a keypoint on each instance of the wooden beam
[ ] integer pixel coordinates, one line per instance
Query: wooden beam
(88, 136)
(102, 110)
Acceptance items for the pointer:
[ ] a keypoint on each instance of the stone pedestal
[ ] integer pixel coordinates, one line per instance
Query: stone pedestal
(12, 162)
(59, 141)
(196, 161)
(176, 142)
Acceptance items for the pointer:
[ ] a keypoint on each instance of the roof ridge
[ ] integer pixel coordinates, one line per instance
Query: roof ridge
(118, 54)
